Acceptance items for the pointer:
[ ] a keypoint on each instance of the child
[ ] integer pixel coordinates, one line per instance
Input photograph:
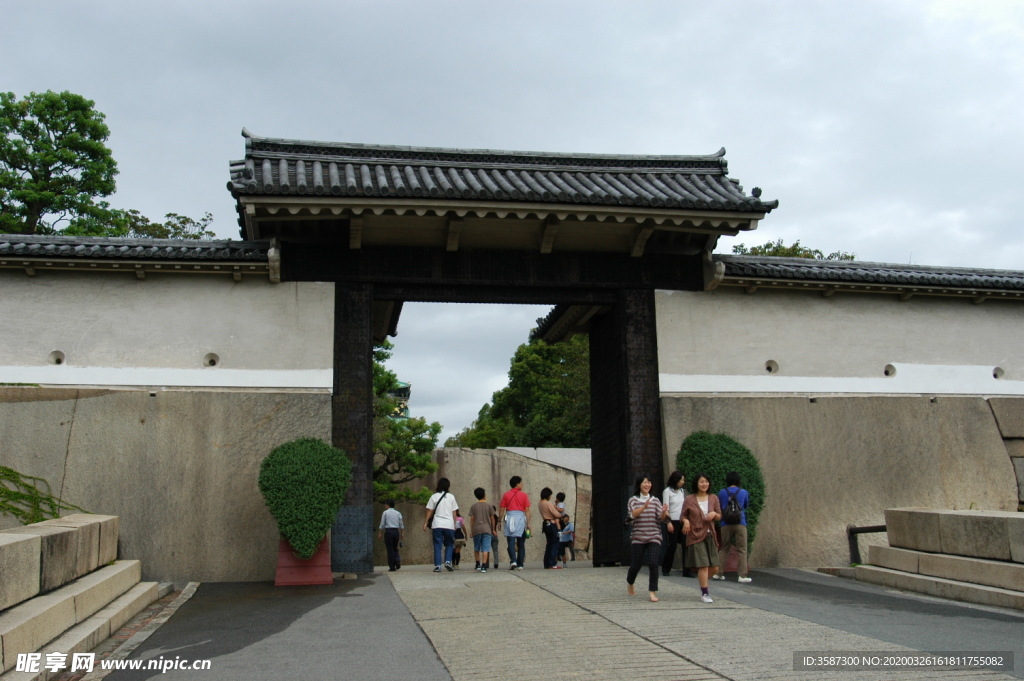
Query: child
(460, 538)
(482, 517)
(566, 537)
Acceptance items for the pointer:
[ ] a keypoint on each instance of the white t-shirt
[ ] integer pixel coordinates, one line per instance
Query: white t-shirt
(673, 498)
(444, 513)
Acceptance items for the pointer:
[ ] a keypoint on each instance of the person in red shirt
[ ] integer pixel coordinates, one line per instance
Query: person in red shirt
(515, 519)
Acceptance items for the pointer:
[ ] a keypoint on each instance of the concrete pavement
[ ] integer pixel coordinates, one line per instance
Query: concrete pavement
(564, 624)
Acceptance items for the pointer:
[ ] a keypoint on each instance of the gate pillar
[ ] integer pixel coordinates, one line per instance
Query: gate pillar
(625, 436)
(352, 425)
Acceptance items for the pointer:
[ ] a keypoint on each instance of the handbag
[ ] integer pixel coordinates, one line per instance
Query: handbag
(433, 515)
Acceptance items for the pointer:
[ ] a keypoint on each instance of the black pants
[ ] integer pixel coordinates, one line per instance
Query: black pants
(670, 540)
(644, 554)
(391, 544)
(551, 547)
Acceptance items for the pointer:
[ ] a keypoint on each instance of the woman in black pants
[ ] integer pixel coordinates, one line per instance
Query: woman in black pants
(647, 514)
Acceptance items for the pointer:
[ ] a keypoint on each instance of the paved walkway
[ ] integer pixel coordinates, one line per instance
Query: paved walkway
(566, 624)
(581, 624)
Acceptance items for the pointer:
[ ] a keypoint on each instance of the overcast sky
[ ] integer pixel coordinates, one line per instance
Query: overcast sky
(891, 129)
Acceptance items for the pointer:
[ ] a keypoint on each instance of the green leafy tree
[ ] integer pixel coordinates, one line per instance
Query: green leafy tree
(403, 447)
(795, 250)
(53, 160)
(545, 404)
(55, 168)
(715, 455)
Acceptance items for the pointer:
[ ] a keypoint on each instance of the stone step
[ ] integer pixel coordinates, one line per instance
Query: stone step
(89, 634)
(995, 573)
(27, 627)
(943, 588)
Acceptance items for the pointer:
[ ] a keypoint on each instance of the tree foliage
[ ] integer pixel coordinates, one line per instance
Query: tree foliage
(304, 483)
(715, 455)
(53, 160)
(55, 168)
(28, 498)
(402, 447)
(545, 404)
(795, 250)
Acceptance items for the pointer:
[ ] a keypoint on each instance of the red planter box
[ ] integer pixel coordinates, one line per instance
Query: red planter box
(292, 571)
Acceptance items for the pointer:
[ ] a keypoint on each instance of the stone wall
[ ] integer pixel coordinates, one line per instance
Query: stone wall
(833, 461)
(179, 468)
(491, 469)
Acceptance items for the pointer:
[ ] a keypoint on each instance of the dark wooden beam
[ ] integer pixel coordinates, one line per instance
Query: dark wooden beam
(474, 268)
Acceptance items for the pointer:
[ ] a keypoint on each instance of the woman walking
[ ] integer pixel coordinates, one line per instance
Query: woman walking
(700, 511)
(441, 520)
(647, 513)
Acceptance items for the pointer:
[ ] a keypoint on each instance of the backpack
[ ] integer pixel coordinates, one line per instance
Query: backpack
(733, 514)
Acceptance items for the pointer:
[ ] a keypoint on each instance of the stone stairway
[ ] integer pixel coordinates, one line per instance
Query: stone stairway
(972, 556)
(63, 591)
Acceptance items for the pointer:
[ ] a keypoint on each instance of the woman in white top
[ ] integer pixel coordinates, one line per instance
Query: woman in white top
(441, 520)
(672, 498)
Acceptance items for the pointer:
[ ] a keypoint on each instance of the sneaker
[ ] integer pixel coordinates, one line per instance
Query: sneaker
(483, 569)
(706, 598)
(565, 566)
(512, 566)
(720, 578)
(456, 566)
(437, 568)
(478, 568)
(744, 580)
(556, 567)
(519, 567)
(448, 567)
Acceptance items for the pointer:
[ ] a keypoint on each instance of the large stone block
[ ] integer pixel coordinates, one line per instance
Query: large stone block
(19, 568)
(975, 534)
(974, 570)
(893, 558)
(99, 588)
(58, 553)
(913, 528)
(1009, 413)
(88, 541)
(27, 627)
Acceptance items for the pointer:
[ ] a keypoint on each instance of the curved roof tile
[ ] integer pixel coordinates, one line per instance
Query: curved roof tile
(805, 269)
(278, 166)
(85, 247)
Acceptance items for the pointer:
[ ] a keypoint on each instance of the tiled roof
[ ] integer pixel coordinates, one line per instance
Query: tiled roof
(71, 247)
(292, 167)
(855, 272)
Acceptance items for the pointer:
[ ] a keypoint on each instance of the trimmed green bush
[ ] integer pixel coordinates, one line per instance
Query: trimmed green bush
(304, 483)
(715, 455)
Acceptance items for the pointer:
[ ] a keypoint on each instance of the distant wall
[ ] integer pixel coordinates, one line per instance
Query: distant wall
(491, 469)
(179, 468)
(833, 461)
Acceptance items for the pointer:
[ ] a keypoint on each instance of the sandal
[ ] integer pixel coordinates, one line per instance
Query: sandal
(631, 590)
(654, 599)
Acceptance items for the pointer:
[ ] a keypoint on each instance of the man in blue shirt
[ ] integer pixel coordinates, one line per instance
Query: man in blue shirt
(734, 534)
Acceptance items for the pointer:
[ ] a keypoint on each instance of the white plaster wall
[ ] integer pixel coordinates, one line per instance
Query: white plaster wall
(115, 329)
(720, 341)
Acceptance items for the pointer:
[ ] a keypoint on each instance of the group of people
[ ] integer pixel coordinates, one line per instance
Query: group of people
(450, 532)
(658, 526)
(691, 518)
